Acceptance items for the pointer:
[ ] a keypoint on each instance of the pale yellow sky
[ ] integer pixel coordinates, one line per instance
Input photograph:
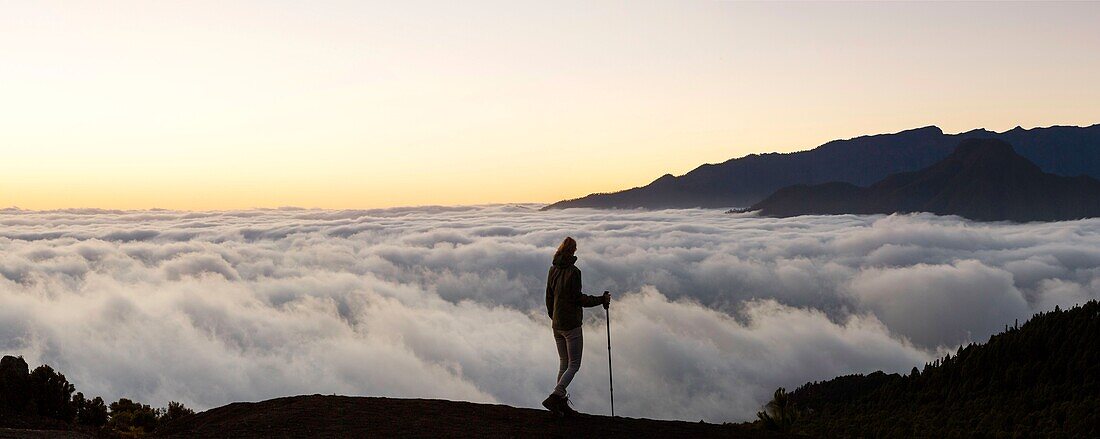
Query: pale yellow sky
(215, 105)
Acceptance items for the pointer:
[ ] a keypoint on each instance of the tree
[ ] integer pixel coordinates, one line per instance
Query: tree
(14, 384)
(51, 394)
(91, 412)
(174, 411)
(780, 413)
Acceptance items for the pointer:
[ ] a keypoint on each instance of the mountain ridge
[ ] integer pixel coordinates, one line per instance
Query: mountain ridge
(862, 160)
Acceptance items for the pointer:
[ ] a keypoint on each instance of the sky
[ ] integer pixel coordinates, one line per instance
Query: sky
(351, 104)
(711, 312)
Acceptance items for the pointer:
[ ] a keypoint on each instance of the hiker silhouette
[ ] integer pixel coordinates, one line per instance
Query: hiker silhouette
(564, 303)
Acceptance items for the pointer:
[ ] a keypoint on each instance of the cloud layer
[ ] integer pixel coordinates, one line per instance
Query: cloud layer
(712, 312)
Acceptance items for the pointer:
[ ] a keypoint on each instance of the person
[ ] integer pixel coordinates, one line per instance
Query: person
(564, 301)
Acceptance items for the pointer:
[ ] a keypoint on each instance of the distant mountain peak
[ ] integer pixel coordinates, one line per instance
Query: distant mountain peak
(994, 154)
(930, 129)
(664, 179)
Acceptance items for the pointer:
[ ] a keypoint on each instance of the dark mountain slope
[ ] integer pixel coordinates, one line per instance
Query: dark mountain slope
(984, 179)
(343, 416)
(1039, 380)
(1068, 151)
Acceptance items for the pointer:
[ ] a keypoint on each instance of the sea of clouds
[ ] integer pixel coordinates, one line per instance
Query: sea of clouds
(712, 311)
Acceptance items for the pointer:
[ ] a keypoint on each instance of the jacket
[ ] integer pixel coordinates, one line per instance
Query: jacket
(564, 298)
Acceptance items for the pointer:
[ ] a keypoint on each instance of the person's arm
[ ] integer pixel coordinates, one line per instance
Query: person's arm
(584, 299)
(550, 293)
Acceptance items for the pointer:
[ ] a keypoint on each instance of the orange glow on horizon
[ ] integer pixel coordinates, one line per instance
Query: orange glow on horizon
(207, 105)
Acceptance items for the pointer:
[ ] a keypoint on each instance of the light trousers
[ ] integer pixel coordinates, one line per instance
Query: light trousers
(570, 344)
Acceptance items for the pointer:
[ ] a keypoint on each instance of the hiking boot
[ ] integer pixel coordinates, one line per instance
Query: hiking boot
(567, 407)
(555, 404)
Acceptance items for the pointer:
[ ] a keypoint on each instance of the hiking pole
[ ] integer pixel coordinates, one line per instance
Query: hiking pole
(610, 375)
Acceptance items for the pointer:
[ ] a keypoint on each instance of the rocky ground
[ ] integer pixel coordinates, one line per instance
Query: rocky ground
(343, 416)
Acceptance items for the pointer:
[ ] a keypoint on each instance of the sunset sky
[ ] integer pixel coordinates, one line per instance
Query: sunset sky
(219, 105)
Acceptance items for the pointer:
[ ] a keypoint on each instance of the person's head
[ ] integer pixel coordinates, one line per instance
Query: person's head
(567, 247)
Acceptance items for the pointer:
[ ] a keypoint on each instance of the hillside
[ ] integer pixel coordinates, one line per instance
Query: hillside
(344, 416)
(41, 403)
(741, 182)
(984, 179)
(1041, 379)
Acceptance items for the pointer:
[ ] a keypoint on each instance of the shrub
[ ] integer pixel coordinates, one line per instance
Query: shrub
(132, 417)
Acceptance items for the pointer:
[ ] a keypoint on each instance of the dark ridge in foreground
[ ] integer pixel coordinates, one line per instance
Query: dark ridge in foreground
(345, 416)
(20, 433)
(983, 180)
(1041, 379)
(1062, 150)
